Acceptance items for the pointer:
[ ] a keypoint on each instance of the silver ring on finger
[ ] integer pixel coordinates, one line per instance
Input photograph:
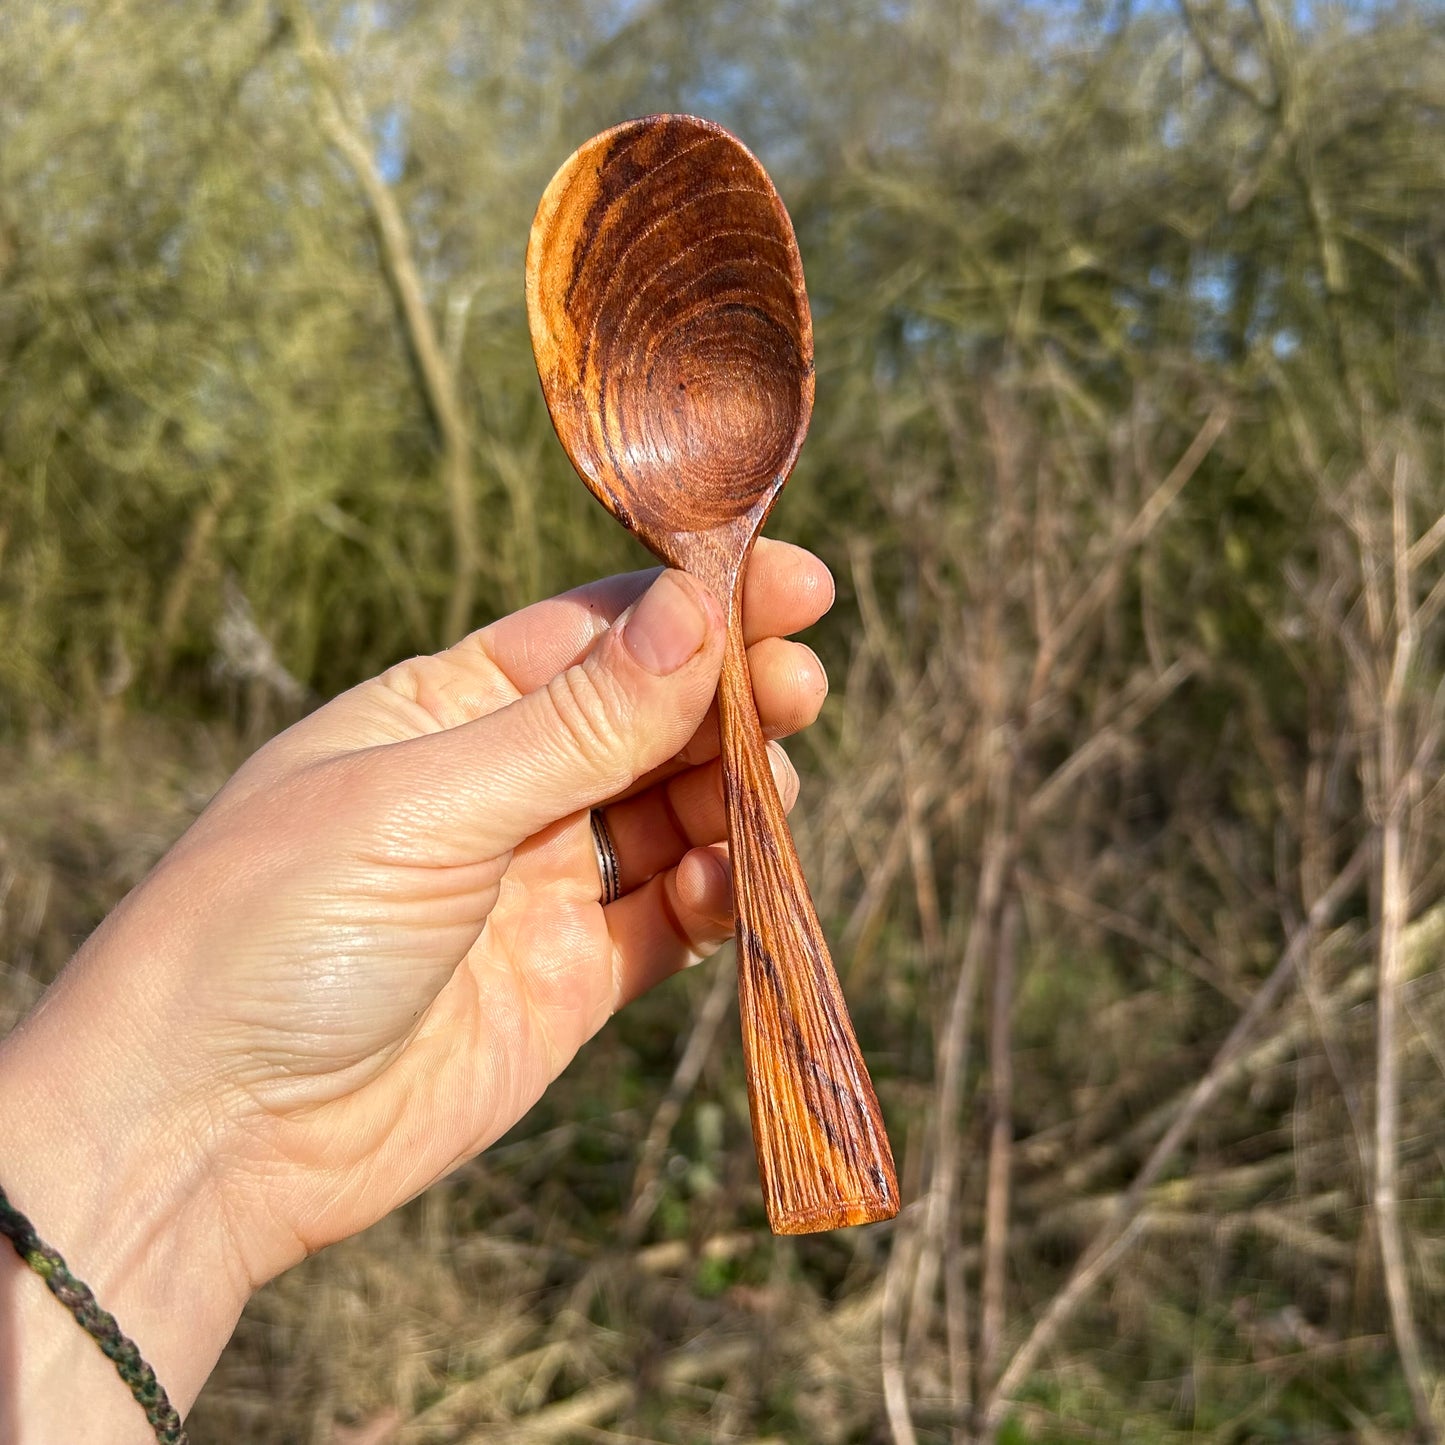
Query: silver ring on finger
(608, 871)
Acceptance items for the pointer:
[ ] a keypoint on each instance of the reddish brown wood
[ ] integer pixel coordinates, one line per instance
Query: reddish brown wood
(673, 339)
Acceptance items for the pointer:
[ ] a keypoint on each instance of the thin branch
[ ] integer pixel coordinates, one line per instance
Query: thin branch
(1108, 737)
(1426, 546)
(1000, 1151)
(1430, 608)
(1115, 1238)
(1185, 959)
(1394, 915)
(1394, 891)
(344, 128)
(603, 1401)
(890, 1336)
(1216, 66)
(647, 1182)
(1101, 586)
(953, 1049)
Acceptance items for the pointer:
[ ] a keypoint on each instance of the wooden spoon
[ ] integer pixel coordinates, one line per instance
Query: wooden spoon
(673, 339)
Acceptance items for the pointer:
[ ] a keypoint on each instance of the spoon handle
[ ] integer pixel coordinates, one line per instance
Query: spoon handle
(822, 1152)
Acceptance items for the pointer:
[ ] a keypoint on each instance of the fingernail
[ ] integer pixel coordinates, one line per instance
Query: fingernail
(722, 883)
(828, 582)
(781, 764)
(667, 627)
(818, 669)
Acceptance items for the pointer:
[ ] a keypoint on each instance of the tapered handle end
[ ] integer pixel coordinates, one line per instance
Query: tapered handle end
(861, 1211)
(823, 1155)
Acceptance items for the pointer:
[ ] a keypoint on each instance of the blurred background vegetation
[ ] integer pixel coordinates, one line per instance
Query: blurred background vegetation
(1125, 816)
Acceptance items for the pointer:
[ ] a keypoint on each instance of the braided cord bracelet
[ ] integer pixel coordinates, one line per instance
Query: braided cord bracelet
(96, 1322)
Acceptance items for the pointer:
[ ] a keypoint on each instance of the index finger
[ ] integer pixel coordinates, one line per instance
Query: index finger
(786, 589)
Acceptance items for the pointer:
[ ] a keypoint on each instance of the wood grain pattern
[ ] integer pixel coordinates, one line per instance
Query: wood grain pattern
(675, 347)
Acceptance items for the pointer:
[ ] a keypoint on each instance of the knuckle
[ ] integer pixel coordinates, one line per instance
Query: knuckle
(424, 683)
(403, 678)
(592, 716)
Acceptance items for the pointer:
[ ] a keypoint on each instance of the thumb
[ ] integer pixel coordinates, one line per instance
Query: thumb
(633, 702)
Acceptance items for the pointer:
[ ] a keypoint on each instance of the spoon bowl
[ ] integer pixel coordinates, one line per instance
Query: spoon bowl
(671, 326)
(675, 347)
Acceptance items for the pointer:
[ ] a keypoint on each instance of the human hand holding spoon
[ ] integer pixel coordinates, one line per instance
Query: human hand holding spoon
(675, 347)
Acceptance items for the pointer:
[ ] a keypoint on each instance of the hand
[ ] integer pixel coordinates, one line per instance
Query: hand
(383, 939)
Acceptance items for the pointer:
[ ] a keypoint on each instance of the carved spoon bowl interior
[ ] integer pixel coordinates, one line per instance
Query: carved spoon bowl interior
(675, 347)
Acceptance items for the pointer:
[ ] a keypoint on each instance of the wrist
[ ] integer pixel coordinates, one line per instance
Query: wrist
(113, 1175)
